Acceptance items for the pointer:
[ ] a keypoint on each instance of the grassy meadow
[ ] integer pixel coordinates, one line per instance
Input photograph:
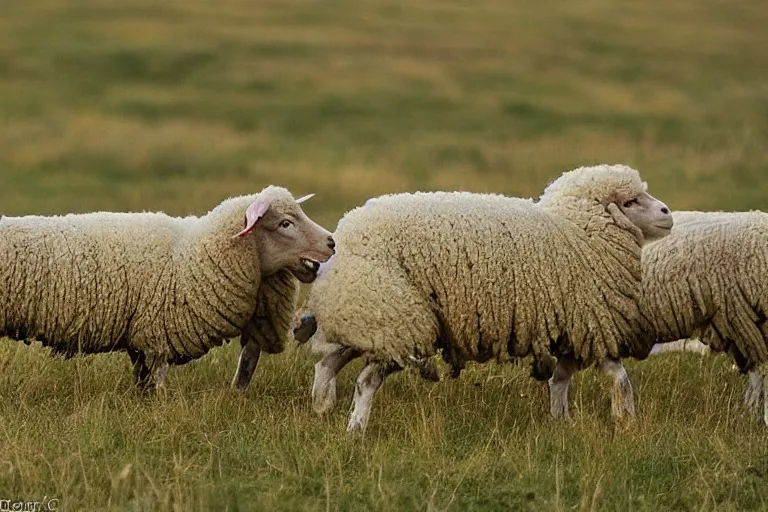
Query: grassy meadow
(175, 105)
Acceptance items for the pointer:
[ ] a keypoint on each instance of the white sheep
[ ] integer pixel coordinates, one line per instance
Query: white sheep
(719, 293)
(480, 277)
(164, 289)
(707, 280)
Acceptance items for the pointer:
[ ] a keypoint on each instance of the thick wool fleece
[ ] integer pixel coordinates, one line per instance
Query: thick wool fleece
(166, 286)
(486, 276)
(707, 280)
(271, 322)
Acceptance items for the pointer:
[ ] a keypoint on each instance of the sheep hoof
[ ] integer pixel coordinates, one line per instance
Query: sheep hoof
(323, 402)
(623, 399)
(355, 427)
(622, 402)
(357, 423)
(559, 408)
(240, 384)
(558, 412)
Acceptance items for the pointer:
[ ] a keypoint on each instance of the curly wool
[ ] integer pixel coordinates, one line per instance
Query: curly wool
(148, 282)
(707, 280)
(486, 276)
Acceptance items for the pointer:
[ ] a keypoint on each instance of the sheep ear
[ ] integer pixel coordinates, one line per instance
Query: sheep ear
(302, 199)
(253, 213)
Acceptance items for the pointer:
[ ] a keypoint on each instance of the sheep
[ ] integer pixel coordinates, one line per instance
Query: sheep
(482, 276)
(163, 289)
(706, 280)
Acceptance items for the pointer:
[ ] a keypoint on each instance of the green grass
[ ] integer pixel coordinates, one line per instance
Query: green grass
(74, 430)
(178, 104)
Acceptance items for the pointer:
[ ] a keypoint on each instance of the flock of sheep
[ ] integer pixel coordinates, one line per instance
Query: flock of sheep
(592, 272)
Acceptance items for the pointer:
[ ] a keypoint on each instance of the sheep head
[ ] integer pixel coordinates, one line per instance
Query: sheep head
(615, 189)
(285, 236)
(649, 214)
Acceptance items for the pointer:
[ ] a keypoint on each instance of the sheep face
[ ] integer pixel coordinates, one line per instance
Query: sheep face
(285, 237)
(649, 214)
(613, 187)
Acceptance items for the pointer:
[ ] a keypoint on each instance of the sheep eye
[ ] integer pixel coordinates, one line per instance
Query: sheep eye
(630, 203)
(286, 224)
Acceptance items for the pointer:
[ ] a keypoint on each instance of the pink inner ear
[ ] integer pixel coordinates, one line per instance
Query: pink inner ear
(253, 213)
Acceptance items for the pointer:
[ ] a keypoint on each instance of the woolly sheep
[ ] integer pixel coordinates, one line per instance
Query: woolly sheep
(480, 277)
(707, 280)
(164, 289)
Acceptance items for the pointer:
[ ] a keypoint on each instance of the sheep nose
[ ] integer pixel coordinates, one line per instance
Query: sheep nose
(331, 243)
(664, 210)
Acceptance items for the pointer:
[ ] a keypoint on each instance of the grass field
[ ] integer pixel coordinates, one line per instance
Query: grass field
(175, 105)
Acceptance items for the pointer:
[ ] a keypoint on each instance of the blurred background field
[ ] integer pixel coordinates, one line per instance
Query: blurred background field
(174, 105)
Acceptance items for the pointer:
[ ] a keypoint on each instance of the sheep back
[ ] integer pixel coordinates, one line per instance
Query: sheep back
(110, 281)
(73, 283)
(485, 275)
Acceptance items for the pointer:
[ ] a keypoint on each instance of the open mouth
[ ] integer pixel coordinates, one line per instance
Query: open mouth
(310, 265)
(306, 270)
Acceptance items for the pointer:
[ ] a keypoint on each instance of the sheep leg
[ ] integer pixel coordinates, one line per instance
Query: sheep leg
(765, 402)
(368, 382)
(159, 372)
(156, 370)
(427, 369)
(754, 394)
(622, 397)
(140, 370)
(326, 370)
(246, 364)
(762, 375)
(558, 386)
